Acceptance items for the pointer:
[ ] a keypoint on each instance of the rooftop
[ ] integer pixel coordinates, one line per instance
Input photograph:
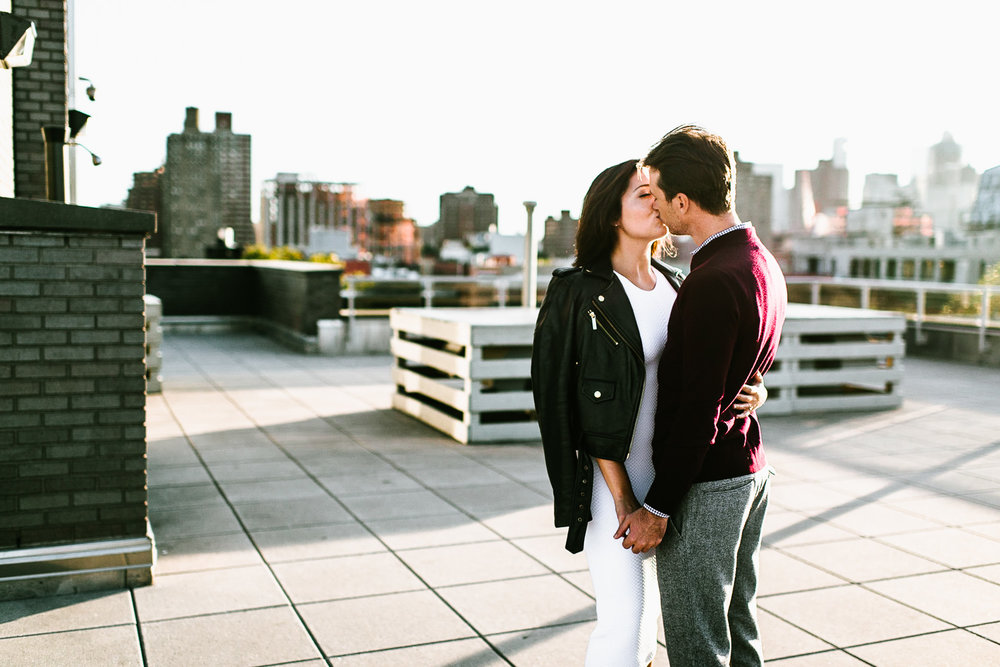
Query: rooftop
(301, 521)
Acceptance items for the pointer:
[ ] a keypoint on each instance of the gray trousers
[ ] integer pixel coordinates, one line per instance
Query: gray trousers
(707, 565)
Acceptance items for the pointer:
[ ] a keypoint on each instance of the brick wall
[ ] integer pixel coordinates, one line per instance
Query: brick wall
(6, 127)
(39, 93)
(72, 374)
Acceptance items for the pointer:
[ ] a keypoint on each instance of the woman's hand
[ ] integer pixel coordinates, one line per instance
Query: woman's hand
(620, 487)
(751, 397)
(625, 505)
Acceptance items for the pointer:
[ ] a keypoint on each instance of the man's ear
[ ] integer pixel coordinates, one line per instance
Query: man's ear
(681, 203)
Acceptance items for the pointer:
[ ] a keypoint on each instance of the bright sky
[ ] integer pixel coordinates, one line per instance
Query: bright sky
(530, 99)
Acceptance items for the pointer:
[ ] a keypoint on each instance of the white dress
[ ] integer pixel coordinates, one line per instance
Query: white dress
(628, 597)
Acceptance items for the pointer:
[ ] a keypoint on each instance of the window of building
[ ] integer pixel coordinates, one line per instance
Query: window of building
(927, 269)
(909, 269)
(890, 268)
(948, 270)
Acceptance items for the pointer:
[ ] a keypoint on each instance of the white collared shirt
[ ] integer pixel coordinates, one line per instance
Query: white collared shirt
(741, 225)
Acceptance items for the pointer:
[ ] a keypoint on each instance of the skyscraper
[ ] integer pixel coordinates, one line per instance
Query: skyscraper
(394, 235)
(754, 198)
(951, 186)
(823, 190)
(295, 211)
(206, 187)
(465, 213)
(560, 235)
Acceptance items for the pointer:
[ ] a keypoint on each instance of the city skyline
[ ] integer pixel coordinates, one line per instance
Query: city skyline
(525, 101)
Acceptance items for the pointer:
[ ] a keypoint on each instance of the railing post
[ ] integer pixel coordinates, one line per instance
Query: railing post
(866, 297)
(351, 294)
(984, 318)
(501, 293)
(814, 293)
(428, 292)
(919, 321)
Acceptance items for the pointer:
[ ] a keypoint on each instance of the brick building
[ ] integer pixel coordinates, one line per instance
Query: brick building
(205, 188)
(465, 213)
(394, 236)
(146, 194)
(297, 213)
(754, 198)
(560, 236)
(37, 98)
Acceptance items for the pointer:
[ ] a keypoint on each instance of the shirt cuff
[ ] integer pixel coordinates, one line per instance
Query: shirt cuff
(655, 512)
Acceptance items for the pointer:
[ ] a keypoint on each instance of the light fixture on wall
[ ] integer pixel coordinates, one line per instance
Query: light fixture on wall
(17, 40)
(93, 158)
(91, 89)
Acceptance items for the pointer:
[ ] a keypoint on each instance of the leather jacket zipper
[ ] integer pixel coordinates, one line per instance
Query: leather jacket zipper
(613, 333)
(595, 323)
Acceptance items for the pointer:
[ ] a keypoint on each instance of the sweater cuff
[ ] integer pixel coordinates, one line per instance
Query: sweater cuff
(655, 512)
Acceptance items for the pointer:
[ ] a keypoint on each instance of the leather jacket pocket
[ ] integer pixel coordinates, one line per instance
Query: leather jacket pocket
(598, 391)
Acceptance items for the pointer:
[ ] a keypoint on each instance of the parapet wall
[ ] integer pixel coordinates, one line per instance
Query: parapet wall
(73, 512)
(281, 298)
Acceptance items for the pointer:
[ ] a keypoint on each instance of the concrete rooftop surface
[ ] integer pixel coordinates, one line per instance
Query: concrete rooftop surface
(301, 521)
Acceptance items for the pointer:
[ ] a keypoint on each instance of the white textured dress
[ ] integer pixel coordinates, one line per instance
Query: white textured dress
(628, 597)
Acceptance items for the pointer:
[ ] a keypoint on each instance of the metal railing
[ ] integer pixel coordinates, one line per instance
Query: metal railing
(367, 296)
(922, 302)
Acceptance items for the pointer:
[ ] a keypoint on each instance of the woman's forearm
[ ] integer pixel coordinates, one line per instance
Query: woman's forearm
(618, 483)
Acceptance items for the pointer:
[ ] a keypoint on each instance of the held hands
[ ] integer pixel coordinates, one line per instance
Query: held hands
(751, 397)
(642, 530)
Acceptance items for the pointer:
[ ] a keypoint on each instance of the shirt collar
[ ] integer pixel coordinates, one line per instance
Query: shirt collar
(740, 225)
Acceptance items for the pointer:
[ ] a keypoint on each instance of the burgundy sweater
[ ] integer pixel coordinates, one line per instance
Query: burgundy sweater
(724, 327)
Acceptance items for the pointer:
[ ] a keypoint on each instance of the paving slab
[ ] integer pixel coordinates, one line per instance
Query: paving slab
(313, 542)
(954, 597)
(237, 639)
(465, 652)
(849, 615)
(99, 647)
(344, 627)
(471, 563)
(208, 592)
(345, 577)
(955, 648)
(519, 604)
(40, 616)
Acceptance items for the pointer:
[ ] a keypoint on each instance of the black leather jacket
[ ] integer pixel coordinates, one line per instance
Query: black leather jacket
(587, 376)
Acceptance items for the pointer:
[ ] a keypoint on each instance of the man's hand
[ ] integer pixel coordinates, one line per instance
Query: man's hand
(751, 396)
(642, 530)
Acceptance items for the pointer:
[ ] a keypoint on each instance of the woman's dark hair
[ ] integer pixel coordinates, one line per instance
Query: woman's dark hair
(698, 163)
(596, 235)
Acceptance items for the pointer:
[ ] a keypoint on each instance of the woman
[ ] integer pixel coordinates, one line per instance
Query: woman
(598, 339)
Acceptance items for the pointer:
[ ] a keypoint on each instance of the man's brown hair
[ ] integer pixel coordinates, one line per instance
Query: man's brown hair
(693, 161)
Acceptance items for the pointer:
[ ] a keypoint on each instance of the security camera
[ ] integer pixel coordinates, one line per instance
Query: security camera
(17, 40)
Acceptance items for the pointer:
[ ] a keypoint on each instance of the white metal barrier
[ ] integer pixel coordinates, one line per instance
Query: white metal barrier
(466, 371)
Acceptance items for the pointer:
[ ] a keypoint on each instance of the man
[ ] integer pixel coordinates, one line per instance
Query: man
(705, 510)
